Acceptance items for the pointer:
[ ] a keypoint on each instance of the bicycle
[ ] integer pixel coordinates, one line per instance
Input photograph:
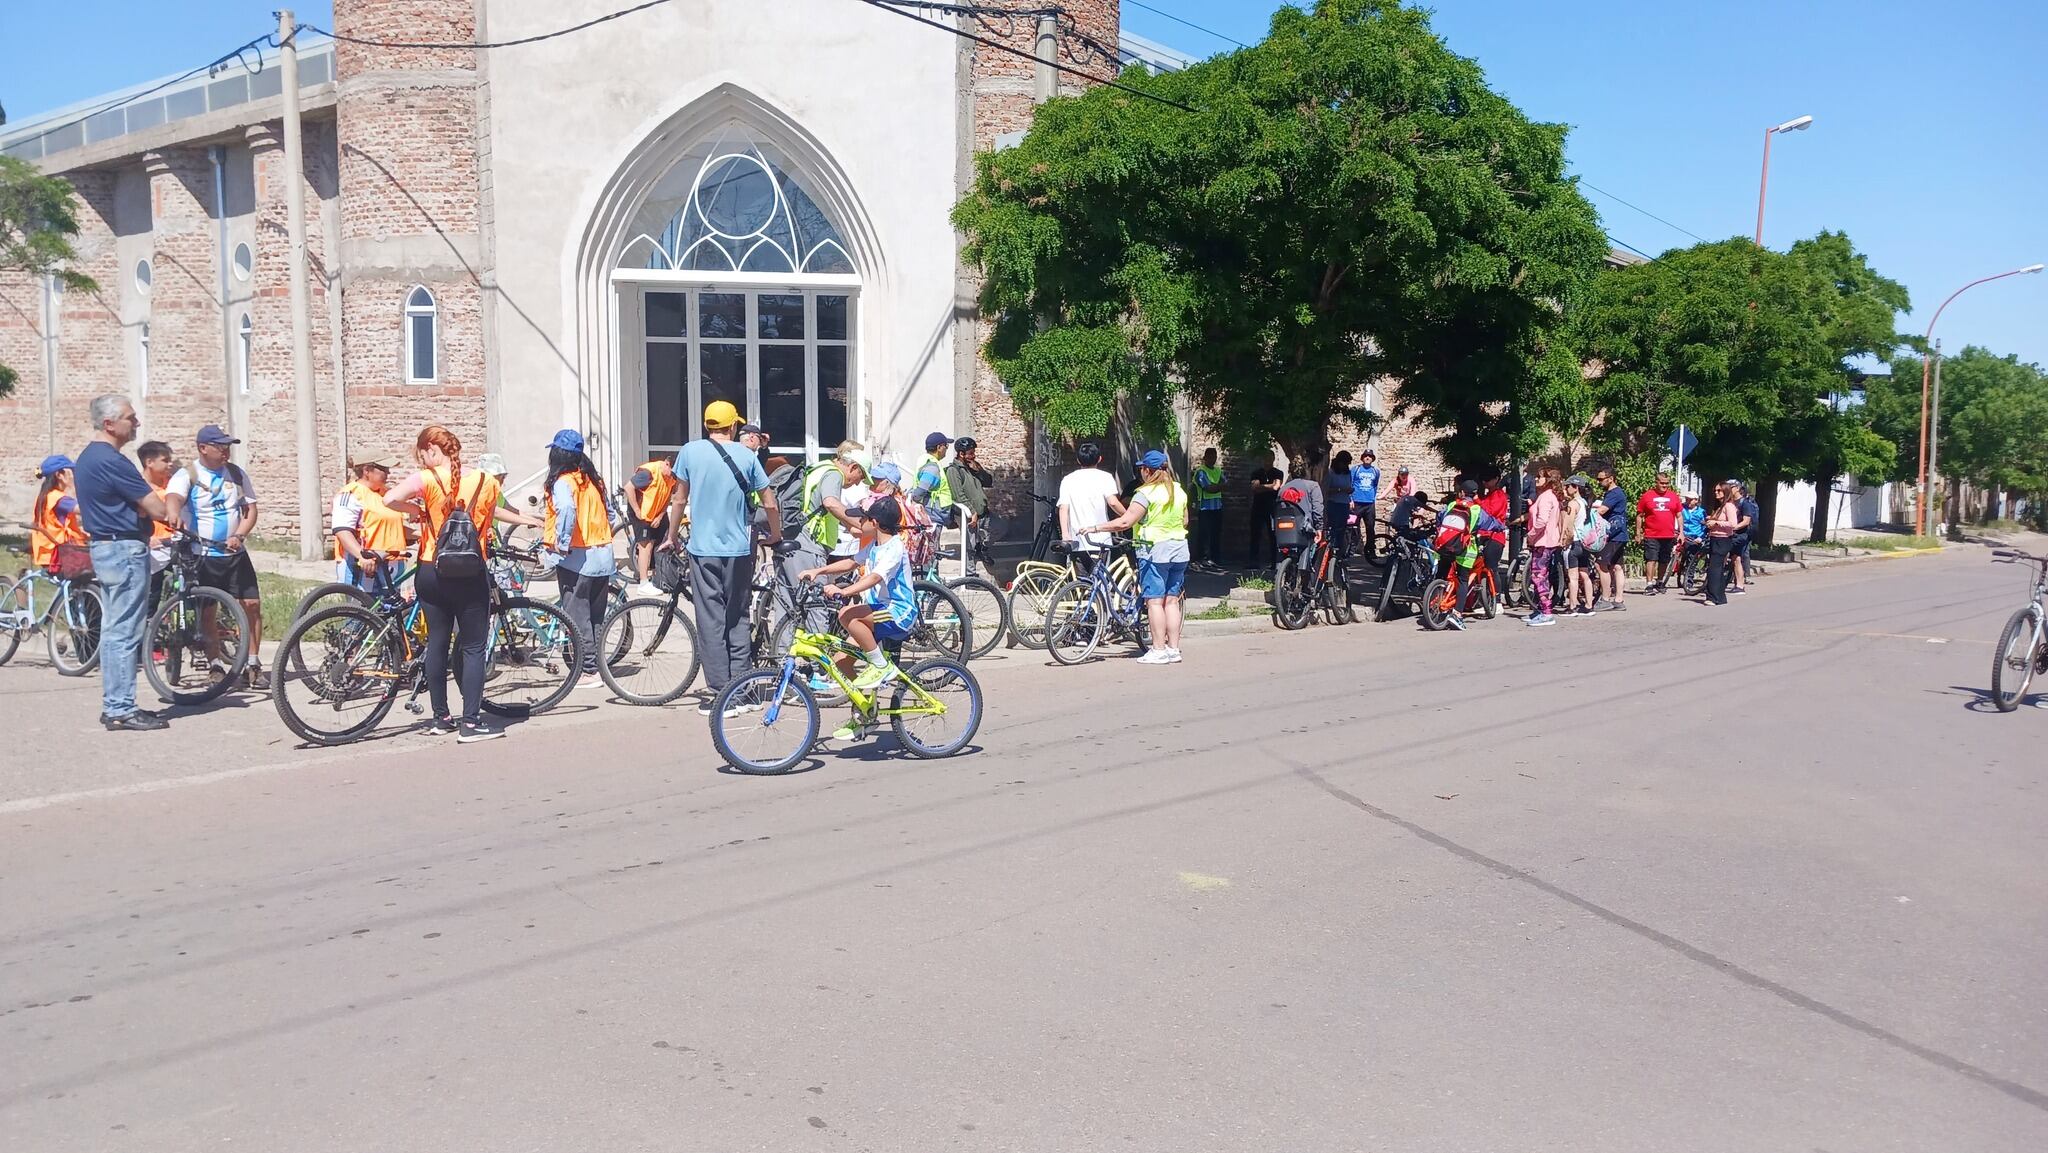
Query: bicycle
(196, 643)
(1048, 529)
(1309, 580)
(2023, 646)
(1411, 566)
(651, 638)
(1481, 592)
(987, 610)
(69, 621)
(357, 657)
(1691, 563)
(763, 709)
(1030, 593)
(1091, 607)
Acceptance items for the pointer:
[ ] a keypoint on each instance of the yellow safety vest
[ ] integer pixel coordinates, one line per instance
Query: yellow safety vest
(1165, 514)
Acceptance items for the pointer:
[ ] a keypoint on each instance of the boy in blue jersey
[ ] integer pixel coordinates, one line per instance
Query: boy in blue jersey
(887, 606)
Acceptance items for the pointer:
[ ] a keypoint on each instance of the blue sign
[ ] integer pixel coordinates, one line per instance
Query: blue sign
(1682, 442)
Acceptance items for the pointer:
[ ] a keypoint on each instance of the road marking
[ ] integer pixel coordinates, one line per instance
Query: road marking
(1202, 883)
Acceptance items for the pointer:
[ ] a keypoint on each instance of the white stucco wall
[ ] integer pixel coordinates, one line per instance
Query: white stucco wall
(875, 93)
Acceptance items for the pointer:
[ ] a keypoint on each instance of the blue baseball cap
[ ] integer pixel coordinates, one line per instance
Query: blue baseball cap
(1153, 459)
(212, 434)
(886, 471)
(568, 440)
(936, 441)
(53, 464)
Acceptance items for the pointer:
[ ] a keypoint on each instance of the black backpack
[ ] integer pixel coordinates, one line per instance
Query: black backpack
(458, 549)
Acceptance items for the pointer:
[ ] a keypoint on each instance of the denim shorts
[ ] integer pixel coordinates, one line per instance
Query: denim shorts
(1157, 580)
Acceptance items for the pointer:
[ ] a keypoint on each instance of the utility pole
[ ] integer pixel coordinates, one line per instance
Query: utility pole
(302, 317)
(1934, 440)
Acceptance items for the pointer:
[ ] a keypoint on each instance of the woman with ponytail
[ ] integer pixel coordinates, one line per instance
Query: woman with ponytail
(454, 607)
(577, 536)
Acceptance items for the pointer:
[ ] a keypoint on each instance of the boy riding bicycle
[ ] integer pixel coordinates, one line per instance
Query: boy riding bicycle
(887, 609)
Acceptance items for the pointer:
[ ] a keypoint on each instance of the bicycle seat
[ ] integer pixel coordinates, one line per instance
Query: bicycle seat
(785, 546)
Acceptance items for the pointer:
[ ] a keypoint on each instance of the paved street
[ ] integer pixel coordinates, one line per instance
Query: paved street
(1764, 877)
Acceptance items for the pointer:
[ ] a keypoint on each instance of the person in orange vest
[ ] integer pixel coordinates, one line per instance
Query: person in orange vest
(647, 495)
(54, 519)
(576, 536)
(369, 535)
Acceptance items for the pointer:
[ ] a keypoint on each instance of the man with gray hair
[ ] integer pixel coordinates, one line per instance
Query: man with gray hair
(827, 525)
(119, 510)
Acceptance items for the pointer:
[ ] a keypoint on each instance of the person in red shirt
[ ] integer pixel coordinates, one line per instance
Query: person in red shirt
(1493, 498)
(1657, 526)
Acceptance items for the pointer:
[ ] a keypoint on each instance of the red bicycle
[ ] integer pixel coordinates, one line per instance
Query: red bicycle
(1482, 595)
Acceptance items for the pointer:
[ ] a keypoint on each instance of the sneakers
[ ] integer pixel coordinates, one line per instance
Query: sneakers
(1538, 620)
(441, 726)
(704, 710)
(1612, 607)
(646, 589)
(257, 680)
(1154, 657)
(1172, 656)
(852, 730)
(820, 683)
(470, 732)
(1454, 621)
(135, 722)
(872, 677)
(1582, 611)
(1737, 591)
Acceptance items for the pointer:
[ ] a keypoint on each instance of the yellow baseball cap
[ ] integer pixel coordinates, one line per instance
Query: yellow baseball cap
(720, 414)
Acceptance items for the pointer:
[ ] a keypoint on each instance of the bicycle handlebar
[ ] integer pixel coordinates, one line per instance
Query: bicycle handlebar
(2009, 555)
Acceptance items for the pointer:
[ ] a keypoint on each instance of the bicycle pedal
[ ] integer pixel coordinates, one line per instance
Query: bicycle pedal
(415, 708)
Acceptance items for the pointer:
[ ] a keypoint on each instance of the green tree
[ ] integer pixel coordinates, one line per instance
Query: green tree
(1346, 200)
(36, 227)
(1990, 425)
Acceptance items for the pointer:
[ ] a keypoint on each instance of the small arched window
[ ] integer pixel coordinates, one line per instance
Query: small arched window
(244, 333)
(422, 333)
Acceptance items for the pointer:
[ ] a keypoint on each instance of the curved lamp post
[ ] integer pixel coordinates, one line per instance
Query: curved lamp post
(1797, 124)
(1926, 378)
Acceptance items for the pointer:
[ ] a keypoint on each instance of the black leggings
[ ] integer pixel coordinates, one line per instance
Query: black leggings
(455, 608)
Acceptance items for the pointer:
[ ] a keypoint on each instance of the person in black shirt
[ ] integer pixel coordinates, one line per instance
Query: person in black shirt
(1403, 520)
(1265, 495)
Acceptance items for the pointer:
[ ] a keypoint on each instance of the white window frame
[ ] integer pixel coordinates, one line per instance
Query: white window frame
(245, 334)
(431, 311)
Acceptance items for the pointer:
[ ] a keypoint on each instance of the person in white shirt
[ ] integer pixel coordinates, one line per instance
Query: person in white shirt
(213, 501)
(1087, 496)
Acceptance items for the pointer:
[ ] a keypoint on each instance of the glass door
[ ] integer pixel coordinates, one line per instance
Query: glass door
(783, 357)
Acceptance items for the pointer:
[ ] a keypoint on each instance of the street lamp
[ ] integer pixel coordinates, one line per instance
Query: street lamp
(1926, 380)
(1796, 124)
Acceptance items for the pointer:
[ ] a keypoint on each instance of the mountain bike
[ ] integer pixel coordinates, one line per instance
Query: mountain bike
(1691, 563)
(766, 721)
(1411, 566)
(1091, 608)
(196, 643)
(654, 649)
(1312, 579)
(69, 616)
(1482, 594)
(341, 669)
(1048, 529)
(2023, 646)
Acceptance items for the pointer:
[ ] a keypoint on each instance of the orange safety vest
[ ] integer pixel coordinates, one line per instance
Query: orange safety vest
(382, 529)
(161, 530)
(655, 497)
(481, 500)
(593, 520)
(47, 530)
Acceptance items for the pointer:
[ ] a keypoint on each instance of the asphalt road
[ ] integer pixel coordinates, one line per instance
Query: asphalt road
(1763, 877)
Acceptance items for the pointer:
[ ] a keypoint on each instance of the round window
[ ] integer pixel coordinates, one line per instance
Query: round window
(244, 261)
(142, 276)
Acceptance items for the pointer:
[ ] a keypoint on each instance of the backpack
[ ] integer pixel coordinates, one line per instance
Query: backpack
(458, 549)
(1593, 532)
(1454, 528)
(1292, 528)
(787, 483)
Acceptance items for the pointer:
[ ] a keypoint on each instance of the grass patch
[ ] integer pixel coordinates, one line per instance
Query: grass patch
(1220, 611)
(281, 596)
(1890, 543)
(1256, 584)
(2004, 526)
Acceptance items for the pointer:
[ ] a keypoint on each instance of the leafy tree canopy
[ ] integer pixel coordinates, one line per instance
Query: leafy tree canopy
(1347, 199)
(36, 227)
(1993, 423)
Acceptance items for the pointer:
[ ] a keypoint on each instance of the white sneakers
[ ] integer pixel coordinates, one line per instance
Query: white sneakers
(647, 589)
(1160, 656)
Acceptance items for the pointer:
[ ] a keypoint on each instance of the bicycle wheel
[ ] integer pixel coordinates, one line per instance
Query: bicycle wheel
(331, 593)
(1292, 605)
(1481, 595)
(660, 660)
(944, 629)
(938, 733)
(1436, 604)
(988, 613)
(1692, 575)
(535, 658)
(1030, 596)
(15, 618)
(73, 633)
(1516, 591)
(765, 721)
(1074, 622)
(1396, 572)
(337, 673)
(2013, 666)
(199, 620)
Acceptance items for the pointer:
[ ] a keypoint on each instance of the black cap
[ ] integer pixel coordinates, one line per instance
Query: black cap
(1468, 488)
(964, 444)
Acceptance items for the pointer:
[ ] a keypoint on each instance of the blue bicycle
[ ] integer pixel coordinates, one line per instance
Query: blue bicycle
(1092, 608)
(68, 613)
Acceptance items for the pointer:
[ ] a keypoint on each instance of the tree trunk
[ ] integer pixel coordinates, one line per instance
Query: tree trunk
(1823, 503)
(1764, 531)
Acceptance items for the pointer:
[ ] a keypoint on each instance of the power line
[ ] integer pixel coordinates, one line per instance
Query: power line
(1613, 239)
(1646, 212)
(1002, 47)
(1188, 23)
(208, 67)
(609, 16)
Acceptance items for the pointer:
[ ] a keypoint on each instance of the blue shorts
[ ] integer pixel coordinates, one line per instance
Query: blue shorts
(887, 631)
(1160, 580)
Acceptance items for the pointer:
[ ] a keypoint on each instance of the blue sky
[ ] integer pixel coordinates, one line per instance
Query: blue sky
(1667, 102)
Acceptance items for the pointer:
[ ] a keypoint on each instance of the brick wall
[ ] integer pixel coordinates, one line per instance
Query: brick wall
(24, 413)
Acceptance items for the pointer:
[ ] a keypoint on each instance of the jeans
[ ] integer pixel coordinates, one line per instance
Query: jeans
(1722, 549)
(720, 588)
(123, 570)
(1540, 560)
(1209, 535)
(583, 601)
(457, 612)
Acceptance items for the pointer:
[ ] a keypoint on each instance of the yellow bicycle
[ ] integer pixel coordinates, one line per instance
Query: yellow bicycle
(1032, 588)
(766, 721)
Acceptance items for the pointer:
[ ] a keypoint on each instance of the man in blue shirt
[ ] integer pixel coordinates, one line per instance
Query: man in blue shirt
(1745, 530)
(1614, 506)
(117, 508)
(715, 482)
(1365, 496)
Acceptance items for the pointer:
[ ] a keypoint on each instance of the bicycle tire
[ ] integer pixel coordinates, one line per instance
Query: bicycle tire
(928, 673)
(13, 608)
(988, 612)
(1292, 606)
(1041, 542)
(2022, 625)
(518, 635)
(944, 628)
(1030, 595)
(338, 592)
(1518, 590)
(1433, 616)
(1074, 622)
(1692, 575)
(1489, 604)
(749, 695)
(646, 637)
(1383, 611)
(182, 615)
(73, 634)
(358, 630)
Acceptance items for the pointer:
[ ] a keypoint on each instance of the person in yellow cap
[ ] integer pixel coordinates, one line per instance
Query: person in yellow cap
(716, 478)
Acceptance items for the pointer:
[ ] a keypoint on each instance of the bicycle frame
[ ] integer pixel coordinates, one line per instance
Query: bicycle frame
(1480, 569)
(819, 649)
